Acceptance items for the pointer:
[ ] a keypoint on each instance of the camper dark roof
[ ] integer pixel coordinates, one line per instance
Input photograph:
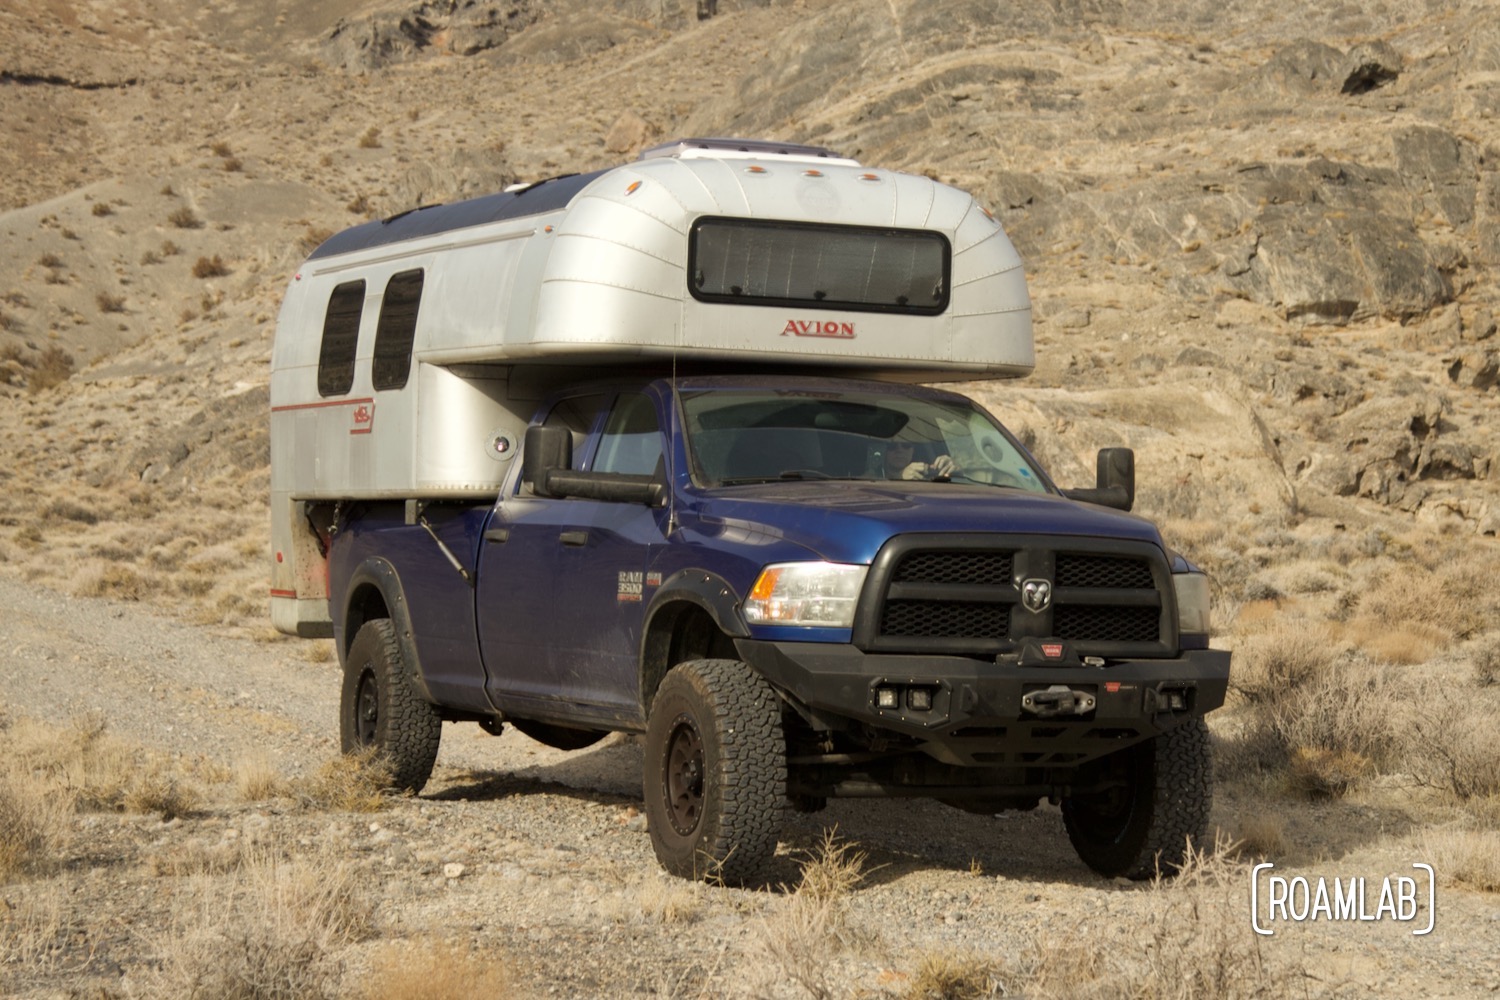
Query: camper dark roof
(535, 199)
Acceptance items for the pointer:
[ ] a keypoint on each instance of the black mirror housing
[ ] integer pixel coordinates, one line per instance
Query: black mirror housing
(1114, 478)
(547, 449)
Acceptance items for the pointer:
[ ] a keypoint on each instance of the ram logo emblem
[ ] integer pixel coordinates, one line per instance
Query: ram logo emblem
(1036, 595)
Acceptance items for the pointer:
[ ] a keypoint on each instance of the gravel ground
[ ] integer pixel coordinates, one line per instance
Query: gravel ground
(541, 859)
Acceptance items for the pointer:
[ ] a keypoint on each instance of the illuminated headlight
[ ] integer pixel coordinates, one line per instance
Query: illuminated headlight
(810, 593)
(1192, 602)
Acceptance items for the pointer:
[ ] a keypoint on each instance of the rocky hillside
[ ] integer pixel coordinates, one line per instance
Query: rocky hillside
(1286, 218)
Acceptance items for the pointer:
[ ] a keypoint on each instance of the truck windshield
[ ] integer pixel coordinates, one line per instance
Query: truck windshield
(754, 436)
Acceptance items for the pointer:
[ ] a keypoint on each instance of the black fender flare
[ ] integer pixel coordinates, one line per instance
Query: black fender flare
(708, 592)
(380, 574)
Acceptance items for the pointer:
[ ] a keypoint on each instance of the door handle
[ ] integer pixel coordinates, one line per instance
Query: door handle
(574, 537)
(497, 535)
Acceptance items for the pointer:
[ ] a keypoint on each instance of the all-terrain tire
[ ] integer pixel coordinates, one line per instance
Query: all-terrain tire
(1143, 826)
(380, 708)
(715, 772)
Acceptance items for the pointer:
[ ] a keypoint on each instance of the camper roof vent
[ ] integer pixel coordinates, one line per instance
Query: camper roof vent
(741, 149)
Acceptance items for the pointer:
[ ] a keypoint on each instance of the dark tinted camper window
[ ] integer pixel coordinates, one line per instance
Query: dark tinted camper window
(340, 339)
(860, 268)
(397, 329)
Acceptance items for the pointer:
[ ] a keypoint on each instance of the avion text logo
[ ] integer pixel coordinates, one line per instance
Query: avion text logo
(818, 328)
(1403, 899)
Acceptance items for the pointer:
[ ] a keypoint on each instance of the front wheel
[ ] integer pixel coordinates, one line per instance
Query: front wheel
(715, 772)
(1157, 797)
(380, 708)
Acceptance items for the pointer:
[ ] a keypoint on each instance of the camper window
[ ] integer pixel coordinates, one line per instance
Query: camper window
(340, 339)
(397, 329)
(859, 268)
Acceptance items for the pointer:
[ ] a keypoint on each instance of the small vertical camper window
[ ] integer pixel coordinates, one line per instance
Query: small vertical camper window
(397, 329)
(340, 339)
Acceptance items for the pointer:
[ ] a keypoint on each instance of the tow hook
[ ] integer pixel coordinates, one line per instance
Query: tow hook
(1059, 699)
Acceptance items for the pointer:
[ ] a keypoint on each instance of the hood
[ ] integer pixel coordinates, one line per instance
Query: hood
(849, 521)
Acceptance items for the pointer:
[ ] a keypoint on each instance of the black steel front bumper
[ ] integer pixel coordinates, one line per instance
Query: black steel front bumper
(1009, 711)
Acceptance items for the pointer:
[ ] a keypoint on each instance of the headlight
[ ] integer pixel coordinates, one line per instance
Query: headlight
(807, 593)
(1192, 602)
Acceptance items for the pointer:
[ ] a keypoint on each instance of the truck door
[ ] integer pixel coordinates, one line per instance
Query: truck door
(561, 597)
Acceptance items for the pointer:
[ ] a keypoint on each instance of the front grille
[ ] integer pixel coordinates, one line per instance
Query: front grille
(990, 569)
(1103, 571)
(1106, 624)
(955, 619)
(962, 594)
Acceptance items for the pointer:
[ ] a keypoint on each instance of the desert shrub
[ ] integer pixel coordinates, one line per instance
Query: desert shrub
(1470, 857)
(116, 580)
(102, 208)
(210, 267)
(1455, 744)
(1412, 610)
(232, 164)
(952, 975)
(371, 138)
(348, 783)
(256, 780)
(50, 260)
(276, 934)
(184, 217)
(97, 771)
(53, 367)
(1311, 714)
(221, 149)
(34, 822)
(1487, 664)
(68, 510)
(1291, 653)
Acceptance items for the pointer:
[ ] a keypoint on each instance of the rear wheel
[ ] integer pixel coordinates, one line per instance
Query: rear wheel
(380, 708)
(715, 772)
(1158, 798)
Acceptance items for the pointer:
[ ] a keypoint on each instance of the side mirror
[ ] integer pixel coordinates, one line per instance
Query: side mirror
(1115, 470)
(546, 449)
(1114, 478)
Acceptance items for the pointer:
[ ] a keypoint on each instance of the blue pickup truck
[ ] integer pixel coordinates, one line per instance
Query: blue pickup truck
(797, 588)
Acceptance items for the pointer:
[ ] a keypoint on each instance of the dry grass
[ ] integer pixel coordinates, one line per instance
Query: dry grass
(277, 932)
(1469, 857)
(797, 939)
(257, 780)
(438, 970)
(1193, 943)
(951, 975)
(35, 830)
(348, 783)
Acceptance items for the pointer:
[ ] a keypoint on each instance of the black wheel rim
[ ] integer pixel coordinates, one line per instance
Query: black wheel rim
(366, 709)
(682, 776)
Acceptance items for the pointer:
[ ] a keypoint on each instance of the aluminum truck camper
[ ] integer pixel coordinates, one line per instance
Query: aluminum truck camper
(657, 449)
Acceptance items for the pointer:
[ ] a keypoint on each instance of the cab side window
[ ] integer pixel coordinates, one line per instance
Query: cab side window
(577, 414)
(632, 437)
